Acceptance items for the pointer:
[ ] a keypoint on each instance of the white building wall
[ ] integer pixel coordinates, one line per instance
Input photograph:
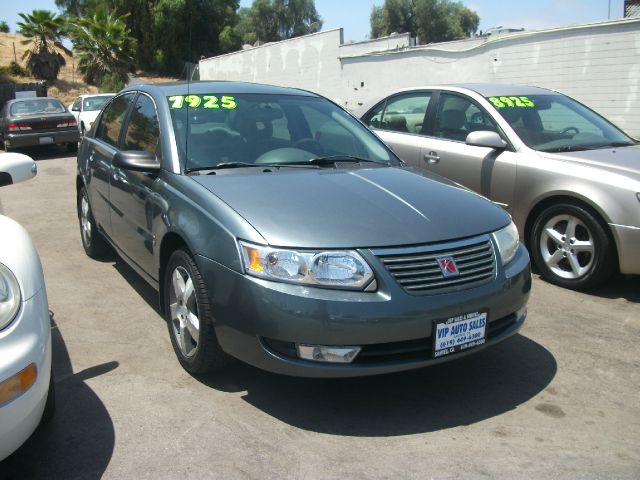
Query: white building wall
(598, 64)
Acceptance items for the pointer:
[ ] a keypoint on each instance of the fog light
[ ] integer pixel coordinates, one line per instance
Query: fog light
(320, 353)
(15, 386)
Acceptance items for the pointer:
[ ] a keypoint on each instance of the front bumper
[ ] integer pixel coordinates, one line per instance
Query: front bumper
(26, 340)
(19, 140)
(259, 321)
(627, 240)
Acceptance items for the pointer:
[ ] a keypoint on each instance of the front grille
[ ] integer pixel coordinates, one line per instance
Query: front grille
(416, 269)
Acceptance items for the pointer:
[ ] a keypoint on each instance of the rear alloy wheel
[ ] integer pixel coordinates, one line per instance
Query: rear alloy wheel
(189, 317)
(571, 248)
(93, 242)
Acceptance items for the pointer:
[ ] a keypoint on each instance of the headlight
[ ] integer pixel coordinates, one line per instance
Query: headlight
(9, 296)
(507, 240)
(333, 269)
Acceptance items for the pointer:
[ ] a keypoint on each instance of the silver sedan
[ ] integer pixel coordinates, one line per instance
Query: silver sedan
(569, 178)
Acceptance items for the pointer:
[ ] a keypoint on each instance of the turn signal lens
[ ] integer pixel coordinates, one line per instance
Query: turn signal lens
(16, 385)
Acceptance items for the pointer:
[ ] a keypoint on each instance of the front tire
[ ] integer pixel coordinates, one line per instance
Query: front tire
(95, 246)
(571, 248)
(189, 317)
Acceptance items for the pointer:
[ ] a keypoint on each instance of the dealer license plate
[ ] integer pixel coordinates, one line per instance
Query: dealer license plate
(46, 140)
(459, 333)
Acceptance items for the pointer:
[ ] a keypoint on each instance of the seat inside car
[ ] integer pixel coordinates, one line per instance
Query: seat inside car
(451, 124)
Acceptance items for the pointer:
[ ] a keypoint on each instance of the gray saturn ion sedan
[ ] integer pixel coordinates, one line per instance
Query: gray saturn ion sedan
(279, 230)
(569, 178)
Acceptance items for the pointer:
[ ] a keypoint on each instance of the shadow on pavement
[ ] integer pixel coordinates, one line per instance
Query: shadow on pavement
(79, 440)
(463, 392)
(620, 286)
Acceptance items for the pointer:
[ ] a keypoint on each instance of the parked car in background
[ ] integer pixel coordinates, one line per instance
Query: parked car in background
(569, 178)
(86, 108)
(28, 122)
(26, 383)
(281, 231)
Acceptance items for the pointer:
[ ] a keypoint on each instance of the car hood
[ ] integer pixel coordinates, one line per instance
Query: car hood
(623, 160)
(19, 255)
(351, 208)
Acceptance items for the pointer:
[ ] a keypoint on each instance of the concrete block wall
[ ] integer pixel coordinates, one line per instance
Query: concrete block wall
(597, 64)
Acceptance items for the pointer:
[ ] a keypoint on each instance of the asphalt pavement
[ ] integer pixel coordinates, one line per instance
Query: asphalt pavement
(559, 400)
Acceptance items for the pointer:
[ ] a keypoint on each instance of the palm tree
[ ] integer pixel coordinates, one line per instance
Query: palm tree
(44, 31)
(103, 45)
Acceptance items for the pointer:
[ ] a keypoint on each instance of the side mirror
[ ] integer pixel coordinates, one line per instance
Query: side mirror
(485, 138)
(137, 161)
(15, 168)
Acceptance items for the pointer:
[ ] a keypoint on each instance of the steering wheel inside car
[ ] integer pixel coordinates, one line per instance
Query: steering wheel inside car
(569, 129)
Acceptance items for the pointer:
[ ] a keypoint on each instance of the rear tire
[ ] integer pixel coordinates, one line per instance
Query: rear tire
(189, 317)
(95, 246)
(571, 247)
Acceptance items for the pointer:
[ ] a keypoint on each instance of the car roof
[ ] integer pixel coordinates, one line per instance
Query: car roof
(204, 87)
(86, 95)
(502, 89)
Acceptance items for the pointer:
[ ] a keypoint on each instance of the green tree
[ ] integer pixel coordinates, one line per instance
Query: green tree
(4, 27)
(186, 30)
(275, 20)
(103, 45)
(429, 20)
(43, 31)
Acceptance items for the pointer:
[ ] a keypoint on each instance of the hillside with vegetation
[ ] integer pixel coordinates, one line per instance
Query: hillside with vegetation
(68, 85)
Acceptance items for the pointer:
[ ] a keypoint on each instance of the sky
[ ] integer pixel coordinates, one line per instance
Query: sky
(353, 15)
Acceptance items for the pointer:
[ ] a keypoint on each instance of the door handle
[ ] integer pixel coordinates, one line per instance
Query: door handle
(431, 158)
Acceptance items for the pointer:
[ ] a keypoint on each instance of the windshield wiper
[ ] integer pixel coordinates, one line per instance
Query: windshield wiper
(567, 148)
(331, 160)
(221, 166)
(615, 144)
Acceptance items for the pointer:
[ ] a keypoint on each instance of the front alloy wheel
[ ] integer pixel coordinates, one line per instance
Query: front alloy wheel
(189, 318)
(183, 311)
(571, 248)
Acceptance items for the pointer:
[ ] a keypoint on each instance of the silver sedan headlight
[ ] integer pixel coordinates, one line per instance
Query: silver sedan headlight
(507, 240)
(329, 269)
(9, 296)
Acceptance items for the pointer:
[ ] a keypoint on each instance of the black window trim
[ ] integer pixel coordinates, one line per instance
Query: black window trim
(127, 119)
(99, 120)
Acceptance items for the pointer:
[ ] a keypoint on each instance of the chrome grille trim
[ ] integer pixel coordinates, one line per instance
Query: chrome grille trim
(416, 269)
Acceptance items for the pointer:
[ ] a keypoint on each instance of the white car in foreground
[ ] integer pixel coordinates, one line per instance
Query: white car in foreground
(87, 107)
(26, 383)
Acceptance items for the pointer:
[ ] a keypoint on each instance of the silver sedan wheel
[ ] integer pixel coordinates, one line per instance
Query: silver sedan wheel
(85, 221)
(183, 309)
(567, 246)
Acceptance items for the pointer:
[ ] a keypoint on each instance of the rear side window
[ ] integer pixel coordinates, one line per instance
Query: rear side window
(402, 113)
(113, 118)
(143, 131)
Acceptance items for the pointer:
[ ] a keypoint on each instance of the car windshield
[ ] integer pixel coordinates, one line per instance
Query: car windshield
(556, 123)
(229, 130)
(36, 107)
(94, 103)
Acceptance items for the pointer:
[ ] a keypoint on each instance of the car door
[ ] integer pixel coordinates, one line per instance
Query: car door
(399, 121)
(131, 193)
(490, 172)
(100, 151)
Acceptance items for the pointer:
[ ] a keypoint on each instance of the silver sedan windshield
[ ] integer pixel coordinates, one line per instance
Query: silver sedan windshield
(556, 123)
